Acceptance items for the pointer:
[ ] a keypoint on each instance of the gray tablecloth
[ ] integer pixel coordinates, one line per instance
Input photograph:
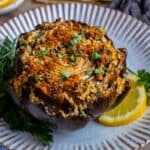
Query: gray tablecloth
(137, 8)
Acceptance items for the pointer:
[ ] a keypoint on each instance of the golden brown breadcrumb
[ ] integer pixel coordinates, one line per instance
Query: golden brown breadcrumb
(69, 66)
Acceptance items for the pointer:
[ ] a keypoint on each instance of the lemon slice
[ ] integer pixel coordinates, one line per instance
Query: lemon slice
(131, 108)
(5, 3)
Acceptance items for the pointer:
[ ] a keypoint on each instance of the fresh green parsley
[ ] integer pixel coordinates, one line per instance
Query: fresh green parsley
(65, 74)
(99, 71)
(95, 56)
(76, 39)
(20, 120)
(60, 55)
(7, 52)
(12, 114)
(42, 53)
(144, 78)
(72, 58)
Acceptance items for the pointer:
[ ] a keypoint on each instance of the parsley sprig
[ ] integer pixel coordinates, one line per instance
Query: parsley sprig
(14, 116)
(144, 78)
(7, 52)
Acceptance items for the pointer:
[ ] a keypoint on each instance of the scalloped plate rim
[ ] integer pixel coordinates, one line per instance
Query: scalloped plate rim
(94, 5)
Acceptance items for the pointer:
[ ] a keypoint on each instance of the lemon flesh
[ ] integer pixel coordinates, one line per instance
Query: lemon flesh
(5, 3)
(131, 108)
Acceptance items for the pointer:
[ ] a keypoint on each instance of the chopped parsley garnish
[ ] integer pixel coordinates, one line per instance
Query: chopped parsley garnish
(42, 53)
(99, 71)
(72, 58)
(65, 74)
(23, 46)
(60, 55)
(95, 56)
(76, 39)
(9, 111)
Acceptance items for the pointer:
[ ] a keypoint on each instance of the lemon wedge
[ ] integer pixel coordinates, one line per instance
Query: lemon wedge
(5, 3)
(131, 108)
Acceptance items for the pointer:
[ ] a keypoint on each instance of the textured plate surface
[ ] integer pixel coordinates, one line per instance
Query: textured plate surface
(125, 31)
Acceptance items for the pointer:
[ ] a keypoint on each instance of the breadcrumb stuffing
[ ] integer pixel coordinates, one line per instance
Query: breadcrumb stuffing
(68, 46)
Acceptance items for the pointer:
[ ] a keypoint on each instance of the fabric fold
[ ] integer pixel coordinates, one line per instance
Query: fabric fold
(136, 8)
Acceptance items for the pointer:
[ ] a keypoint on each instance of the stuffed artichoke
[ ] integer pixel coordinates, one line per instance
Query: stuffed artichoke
(68, 69)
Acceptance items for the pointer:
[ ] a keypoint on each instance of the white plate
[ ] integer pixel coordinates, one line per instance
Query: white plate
(126, 32)
(11, 7)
